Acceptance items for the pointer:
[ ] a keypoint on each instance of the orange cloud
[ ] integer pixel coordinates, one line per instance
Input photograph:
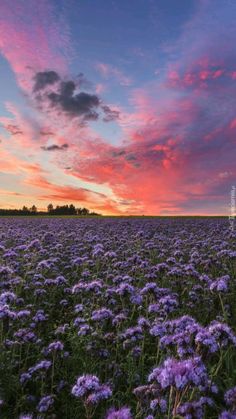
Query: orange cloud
(64, 193)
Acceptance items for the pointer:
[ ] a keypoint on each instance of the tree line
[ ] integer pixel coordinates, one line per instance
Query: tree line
(51, 210)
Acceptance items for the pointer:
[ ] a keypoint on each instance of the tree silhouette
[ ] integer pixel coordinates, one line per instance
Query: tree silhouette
(51, 210)
(33, 209)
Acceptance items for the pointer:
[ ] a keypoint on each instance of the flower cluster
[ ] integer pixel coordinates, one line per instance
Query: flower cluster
(88, 388)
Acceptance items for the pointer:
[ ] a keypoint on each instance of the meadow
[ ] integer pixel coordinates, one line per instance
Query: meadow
(117, 318)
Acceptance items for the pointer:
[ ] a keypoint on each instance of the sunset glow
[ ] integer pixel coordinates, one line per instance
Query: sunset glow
(125, 107)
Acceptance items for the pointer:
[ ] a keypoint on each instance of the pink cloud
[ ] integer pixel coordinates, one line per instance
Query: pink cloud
(177, 153)
(170, 163)
(197, 75)
(33, 41)
(109, 71)
(12, 164)
(65, 193)
(100, 88)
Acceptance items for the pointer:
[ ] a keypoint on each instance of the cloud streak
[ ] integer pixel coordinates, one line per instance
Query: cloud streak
(55, 147)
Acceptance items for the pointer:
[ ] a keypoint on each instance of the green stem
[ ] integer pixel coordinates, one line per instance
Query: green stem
(170, 402)
(223, 308)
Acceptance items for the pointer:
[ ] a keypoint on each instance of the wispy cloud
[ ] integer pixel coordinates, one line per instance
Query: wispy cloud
(108, 71)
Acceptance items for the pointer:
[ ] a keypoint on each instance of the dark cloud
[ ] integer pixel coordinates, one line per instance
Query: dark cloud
(131, 157)
(47, 133)
(44, 78)
(79, 104)
(66, 96)
(13, 129)
(102, 195)
(82, 82)
(125, 202)
(118, 153)
(55, 147)
(67, 88)
(110, 114)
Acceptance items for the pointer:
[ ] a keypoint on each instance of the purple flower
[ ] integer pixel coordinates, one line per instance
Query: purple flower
(206, 339)
(84, 330)
(194, 409)
(40, 316)
(61, 385)
(42, 365)
(230, 397)
(61, 329)
(159, 404)
(60, 280)
(143, 322)
(54, 347)
(125, 289)
(25, 376)
(7, 297)
(123, 413)
(45, 403)
(89, 388)
(79, 321)
(150, 287)
(25, 335)
(98, 250)
(23, 313)
(227, 415)
(220, 284)
(159, 329)
(136, 299)
(181, 373)
(101, 315)
(79, 308)
(131, 335)
(168, 303)
(103, 393)
(136, 351)
(118, 319)
(222, 333)
(5, 312)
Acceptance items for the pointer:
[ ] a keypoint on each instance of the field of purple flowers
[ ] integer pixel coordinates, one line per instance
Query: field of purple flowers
(117, 318)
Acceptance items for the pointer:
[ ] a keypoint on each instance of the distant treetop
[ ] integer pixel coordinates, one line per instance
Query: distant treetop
(58, 210)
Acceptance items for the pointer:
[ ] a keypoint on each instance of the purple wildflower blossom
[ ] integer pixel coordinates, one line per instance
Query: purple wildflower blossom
(45, 403)
(123, 413)
(101, 315)
(230, 397)
(89, 388)
(178, 374)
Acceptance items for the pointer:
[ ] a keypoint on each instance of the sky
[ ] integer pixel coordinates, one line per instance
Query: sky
(124, 107)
